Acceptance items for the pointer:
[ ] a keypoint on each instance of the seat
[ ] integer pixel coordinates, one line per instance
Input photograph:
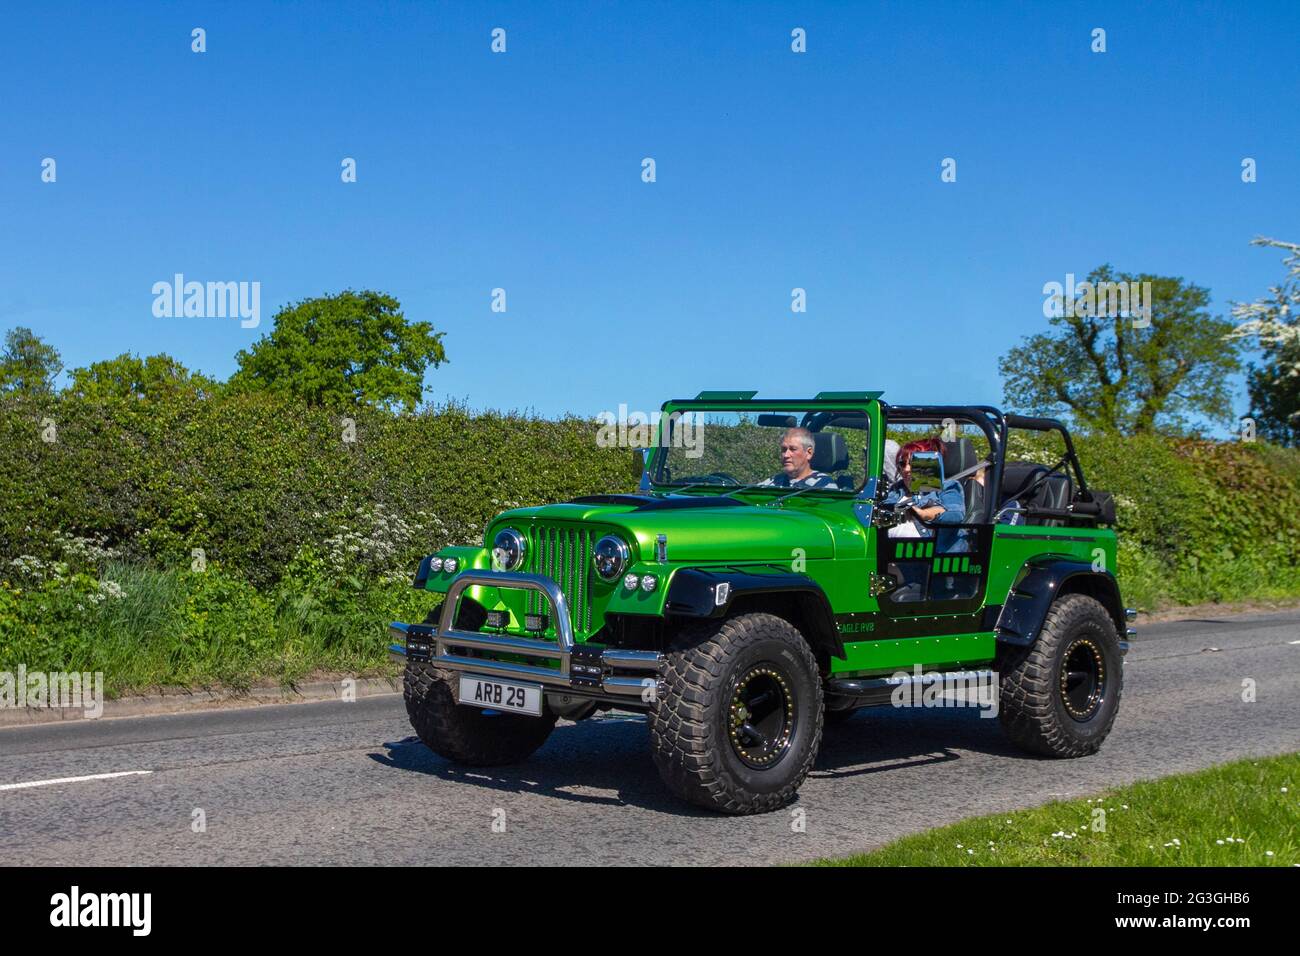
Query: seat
(1016, 477)
(975, 497)
(1054, 490)
(958, 456)
(830, 452)
(1058, 492)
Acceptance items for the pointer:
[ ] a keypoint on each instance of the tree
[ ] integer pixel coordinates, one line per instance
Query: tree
(1274, 322)
(130, 376)
(28, 365)
(1096, 367)
(354, 347)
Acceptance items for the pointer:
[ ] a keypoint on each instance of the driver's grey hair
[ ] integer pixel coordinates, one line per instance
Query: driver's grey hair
(805, 436)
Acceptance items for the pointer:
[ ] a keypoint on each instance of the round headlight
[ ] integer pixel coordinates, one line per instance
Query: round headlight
(610, 557)
(508, 549)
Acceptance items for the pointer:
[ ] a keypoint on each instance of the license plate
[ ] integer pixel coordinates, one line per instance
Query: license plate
(501, 695)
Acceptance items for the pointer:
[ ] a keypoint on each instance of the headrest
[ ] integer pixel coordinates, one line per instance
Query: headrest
(830, 452)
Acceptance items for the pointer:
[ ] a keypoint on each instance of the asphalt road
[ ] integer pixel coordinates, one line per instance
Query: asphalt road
(342, 783)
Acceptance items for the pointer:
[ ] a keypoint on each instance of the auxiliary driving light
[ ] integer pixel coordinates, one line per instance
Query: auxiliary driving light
(649, 582)
(630, 582)
(535, 622)
(450, 565)
(435, 564)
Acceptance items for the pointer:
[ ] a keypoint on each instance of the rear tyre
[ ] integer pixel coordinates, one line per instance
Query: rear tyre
(464, 734)
(1060, 695)
(739, 722)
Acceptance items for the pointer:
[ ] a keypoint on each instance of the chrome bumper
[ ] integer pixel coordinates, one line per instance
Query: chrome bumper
(582, 668)
(1130, 616)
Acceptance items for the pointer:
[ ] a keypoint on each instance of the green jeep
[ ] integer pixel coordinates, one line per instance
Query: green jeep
(772, 575)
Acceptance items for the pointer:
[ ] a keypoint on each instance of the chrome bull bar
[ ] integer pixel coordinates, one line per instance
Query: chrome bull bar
(581, 668)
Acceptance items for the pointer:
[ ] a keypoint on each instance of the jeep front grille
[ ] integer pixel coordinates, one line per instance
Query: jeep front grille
(563, 554)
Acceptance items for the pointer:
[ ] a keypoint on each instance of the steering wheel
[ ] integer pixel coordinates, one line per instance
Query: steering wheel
(712, 478)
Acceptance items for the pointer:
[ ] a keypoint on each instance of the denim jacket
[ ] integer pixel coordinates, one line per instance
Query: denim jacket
(953, 502)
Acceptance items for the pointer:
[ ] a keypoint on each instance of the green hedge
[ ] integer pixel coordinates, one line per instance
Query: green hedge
(308, 539)
(252, 479)
(1200, 520)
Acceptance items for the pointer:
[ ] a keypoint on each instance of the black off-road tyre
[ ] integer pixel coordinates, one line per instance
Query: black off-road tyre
(470, 616)
(1060, 695)
(704, 734)
(467, 735)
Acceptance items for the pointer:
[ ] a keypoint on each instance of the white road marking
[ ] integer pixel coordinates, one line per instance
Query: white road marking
(93, 776)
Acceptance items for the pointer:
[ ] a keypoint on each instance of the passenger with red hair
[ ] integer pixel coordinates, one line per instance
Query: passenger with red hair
(944, 507)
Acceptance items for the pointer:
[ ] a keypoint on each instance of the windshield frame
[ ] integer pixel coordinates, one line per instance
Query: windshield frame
(657, 458)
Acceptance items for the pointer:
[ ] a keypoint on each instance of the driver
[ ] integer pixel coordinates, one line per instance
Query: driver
(797, 446)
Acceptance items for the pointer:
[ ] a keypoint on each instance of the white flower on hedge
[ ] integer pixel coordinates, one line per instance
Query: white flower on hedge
(111, 589)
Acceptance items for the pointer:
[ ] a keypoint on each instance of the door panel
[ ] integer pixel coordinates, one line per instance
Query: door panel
(942, 575)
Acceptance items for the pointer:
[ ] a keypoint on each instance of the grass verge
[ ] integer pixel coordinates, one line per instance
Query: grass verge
(1245, 813)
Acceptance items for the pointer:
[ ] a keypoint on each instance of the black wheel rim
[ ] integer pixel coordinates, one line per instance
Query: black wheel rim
(760, 719)
(1083, 679)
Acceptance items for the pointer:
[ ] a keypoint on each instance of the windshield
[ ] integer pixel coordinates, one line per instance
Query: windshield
(795, 449)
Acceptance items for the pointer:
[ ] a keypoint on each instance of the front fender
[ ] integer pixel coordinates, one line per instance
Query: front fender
(712, 592)
(469, 557)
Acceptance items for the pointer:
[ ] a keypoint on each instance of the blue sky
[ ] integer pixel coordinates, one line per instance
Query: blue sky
(522, 171)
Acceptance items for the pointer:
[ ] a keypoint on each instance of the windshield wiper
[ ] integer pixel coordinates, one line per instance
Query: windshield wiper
(809, 488)
(792, 494)
(736, 491)
(679, 489)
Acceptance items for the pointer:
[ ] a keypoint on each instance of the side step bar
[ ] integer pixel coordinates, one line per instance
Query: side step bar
(844, 693)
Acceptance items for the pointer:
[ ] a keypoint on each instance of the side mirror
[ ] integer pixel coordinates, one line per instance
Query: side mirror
(927, 472)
